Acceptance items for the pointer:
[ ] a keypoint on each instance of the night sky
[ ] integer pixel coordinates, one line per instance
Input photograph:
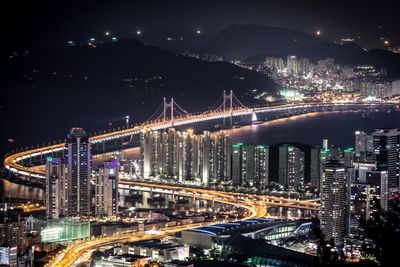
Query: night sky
(52, 23)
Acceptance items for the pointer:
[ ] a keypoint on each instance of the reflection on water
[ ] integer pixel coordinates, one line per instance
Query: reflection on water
(143, 201)
(312, 128)
(10, 191)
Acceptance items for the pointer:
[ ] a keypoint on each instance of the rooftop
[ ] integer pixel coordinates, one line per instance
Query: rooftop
(242, 227)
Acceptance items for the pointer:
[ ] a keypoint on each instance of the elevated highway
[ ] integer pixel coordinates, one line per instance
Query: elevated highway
(255, 206)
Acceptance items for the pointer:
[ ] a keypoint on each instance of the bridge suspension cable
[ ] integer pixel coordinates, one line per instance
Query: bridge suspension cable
(240, 103)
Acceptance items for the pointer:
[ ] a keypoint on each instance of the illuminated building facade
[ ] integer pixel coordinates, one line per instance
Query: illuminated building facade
(79, 170)
(106, 190)
(64, 230)
(222, 157)
(386, 150)
(333, 202)
(56, 188)
(250, 165)
(291, 167)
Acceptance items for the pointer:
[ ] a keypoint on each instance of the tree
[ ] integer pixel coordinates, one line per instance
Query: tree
(327, 255)
(383, 228)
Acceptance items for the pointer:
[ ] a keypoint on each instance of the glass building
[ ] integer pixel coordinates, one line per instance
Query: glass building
(262, 254)
(61, 231)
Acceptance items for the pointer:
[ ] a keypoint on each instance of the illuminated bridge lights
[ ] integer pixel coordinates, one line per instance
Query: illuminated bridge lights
(13, 162)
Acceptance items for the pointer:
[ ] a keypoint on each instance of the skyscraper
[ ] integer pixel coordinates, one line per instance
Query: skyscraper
(186, 155)
(146, 152)
(237, 163)
(333, 201)
(367, 196)
(249, 165)
(79, 169)
(206, 157)
(363, 143)
(291, 167)
(56, 188)
(169, 153)
(304, 66)
(348, 157)
(106, 190)
(386, 150)
(315, 168)
(292, 64)
(222, 156)
(261, 166)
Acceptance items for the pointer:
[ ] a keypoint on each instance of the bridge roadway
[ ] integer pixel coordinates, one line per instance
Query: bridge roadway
(14, 163)
(263, 201)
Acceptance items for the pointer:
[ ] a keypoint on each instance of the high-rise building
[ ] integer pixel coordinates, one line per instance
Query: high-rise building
(304, 66)
(386, 150)
(206, 159)
(363, 143)
(361, 169)
(79, 169)
(366, 197)
(325, 145)
(56, 188)
(360, 204)
(186, 156)
(292, 64)
(348, 157)
(13, 232)
(157, 161)
(261, 166)
(169, 153)
(222, 157)
(146, 153)
(8, 256)
(333, 201)
(378, 180)
(315, 168)
(274, 63)
(106, 190)
(291, 167)
(250, 165)
(237, 164)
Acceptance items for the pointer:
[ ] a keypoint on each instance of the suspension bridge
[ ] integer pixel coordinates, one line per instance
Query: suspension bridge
(171, 114)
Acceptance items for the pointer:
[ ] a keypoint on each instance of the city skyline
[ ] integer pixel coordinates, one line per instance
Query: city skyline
(200, 133)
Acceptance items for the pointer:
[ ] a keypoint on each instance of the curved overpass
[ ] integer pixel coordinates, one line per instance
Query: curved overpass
(256, 206)
(14, 162)
(72, 254)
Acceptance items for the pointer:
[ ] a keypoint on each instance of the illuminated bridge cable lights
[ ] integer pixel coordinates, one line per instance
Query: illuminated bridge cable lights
(15, 165)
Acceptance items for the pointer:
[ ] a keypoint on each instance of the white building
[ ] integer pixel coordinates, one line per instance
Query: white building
(106, 190)
(333, 202)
